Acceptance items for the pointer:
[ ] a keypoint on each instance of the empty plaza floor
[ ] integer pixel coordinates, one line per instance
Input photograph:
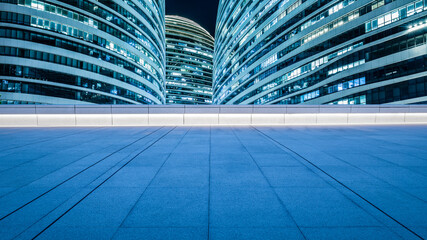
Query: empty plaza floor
(330, 182)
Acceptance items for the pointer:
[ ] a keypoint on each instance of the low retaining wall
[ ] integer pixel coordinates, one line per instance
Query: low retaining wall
(181, 115)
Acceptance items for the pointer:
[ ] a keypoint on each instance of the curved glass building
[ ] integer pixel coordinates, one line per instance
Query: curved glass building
(189, 60)
(321, 52)
(80, 51)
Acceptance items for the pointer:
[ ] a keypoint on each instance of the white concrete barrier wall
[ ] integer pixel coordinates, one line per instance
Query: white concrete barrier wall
(180, 115)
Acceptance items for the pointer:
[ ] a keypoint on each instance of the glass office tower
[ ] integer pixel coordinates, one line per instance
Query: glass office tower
(189, 61)
(80, 51)
(321, 52)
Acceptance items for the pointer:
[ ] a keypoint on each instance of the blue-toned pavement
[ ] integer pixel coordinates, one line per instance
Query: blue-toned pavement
(359, 182)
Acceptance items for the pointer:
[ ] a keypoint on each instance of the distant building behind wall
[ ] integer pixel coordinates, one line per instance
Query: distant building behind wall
(189, 56)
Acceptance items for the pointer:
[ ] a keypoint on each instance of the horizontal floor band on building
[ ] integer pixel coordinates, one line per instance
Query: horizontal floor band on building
(180, 115)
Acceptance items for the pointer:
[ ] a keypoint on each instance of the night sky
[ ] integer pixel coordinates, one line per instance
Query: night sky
(201, 11)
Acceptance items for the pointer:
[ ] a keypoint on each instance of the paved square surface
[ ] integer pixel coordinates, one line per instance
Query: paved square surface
(365, 182)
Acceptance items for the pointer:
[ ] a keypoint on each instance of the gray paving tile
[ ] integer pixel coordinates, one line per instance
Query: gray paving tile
(81, 232)
(254, 233)
(293, 177)
(403, 159)
(363, 160)
(354, 176)
(237, 176)
(422, 231)
(420, 193)
(400, 205)
(324, 207)
(182, 177)
(106, 207)
(161, 233)
(15, 158)
(7, 232)
(23, 176)
(5, 190)
(247, 207)
(136, 177)
(38, 209)
(15, 199)
(188, 160)
(254, 147)
(354, 233)
(318, 157)
(150, 159)
(419, 170)
(398, 176)
(170, 207)
(267, 159)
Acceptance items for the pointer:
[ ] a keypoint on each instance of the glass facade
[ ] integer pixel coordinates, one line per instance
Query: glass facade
(320, 52)
(189, 62)
(80, 51)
